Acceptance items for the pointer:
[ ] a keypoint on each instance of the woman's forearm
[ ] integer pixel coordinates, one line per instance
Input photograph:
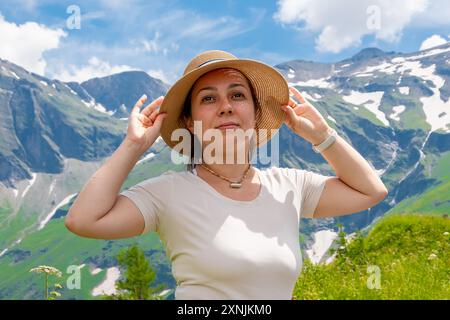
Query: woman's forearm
(100, 192)
(353, 169)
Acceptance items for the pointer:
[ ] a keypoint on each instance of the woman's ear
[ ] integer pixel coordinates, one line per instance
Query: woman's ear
(189, 124)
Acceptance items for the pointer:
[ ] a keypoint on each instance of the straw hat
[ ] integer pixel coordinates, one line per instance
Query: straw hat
(270, 87)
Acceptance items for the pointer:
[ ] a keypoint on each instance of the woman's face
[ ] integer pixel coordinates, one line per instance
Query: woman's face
(221, 96)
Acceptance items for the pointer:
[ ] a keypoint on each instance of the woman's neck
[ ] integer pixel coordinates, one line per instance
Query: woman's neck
(230, 171)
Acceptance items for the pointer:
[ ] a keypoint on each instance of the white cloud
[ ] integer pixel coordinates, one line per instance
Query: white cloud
(118, 4)
(24, 44)
(436, 15)
(94, 68)
(157, 46)
(92, 15)
(158, 74)
(433, 41)
(152, 45)
(191, 26)
(344, 23)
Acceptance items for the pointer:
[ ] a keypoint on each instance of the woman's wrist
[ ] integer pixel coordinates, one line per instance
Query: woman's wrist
(134, 147)
(325, 144)
(322, 136)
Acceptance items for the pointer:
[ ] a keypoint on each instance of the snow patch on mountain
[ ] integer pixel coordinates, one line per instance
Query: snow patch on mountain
(429, 53)
(421, 157)
(436, 110)
(52, 186)
(308, 96)
(147, 157)
(33, 179)
(96, 271)
(383, 67)
(404, 90)
(397, 110)
(97, 106)
(331, 118)
(360, 75)
(370, 100)
(107, 287)
(14, 75)
(12, 245)
(291, 74)
(63, 202)
(317, 83)
(322, 242)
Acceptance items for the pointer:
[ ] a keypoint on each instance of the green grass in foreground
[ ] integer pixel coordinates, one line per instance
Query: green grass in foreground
(412, 253)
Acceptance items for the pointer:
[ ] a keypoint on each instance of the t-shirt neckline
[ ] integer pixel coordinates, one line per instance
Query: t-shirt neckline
(239, 202)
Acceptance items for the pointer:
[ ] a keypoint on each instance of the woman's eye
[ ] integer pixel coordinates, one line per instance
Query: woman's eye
(239, 93)
(205, 99)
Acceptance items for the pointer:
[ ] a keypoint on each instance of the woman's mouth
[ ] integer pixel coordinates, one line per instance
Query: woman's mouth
(228, 126)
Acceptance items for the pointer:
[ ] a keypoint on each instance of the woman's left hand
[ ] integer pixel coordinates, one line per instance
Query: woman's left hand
(305, 120)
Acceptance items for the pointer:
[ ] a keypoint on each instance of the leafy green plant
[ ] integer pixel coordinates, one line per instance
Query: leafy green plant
(138, 277)
(47, 271)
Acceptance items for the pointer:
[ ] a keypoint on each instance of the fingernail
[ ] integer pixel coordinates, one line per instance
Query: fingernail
(144, 96)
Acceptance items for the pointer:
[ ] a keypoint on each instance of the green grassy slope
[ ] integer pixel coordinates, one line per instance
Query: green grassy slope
(412, 253)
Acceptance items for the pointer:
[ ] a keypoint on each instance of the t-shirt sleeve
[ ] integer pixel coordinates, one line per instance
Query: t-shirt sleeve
(150, 196)
(311, 186)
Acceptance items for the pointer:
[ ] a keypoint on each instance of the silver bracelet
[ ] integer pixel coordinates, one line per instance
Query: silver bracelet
(326, 143)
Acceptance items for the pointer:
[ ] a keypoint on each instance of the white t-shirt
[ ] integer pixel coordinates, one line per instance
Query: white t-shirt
(222, 248)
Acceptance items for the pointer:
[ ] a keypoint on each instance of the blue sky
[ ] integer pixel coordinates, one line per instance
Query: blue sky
(160, 37)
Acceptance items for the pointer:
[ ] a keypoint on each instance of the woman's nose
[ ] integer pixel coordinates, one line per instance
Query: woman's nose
(226, 107)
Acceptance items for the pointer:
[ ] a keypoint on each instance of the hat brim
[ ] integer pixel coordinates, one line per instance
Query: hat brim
(270, 88)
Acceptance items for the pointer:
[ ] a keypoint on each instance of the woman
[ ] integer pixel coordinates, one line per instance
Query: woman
(230, 230)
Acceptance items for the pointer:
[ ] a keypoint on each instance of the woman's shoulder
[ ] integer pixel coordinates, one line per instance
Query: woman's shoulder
(298, 177)
(283, 174)
(280, 171)
(167, 178)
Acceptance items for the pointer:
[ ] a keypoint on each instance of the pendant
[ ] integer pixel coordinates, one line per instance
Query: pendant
(235, 185)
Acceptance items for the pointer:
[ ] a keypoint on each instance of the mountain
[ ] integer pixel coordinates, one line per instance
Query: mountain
(119, 92)
(54, 136)
(392, 107)
(44, 121)
(370, 54)
(40, 116)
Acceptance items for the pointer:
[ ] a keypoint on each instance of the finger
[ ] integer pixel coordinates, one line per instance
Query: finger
(289, 111)
(139, 104)
(152, 106)
(159, 120)
(144, 119)
(290, 117)
(292, 103)
(153, 115)
(301, 108)
(297, 94)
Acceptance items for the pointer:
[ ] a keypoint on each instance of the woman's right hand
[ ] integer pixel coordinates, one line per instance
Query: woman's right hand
(144, 126)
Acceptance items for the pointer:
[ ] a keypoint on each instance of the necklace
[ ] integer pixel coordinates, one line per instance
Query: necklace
(233, 184)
